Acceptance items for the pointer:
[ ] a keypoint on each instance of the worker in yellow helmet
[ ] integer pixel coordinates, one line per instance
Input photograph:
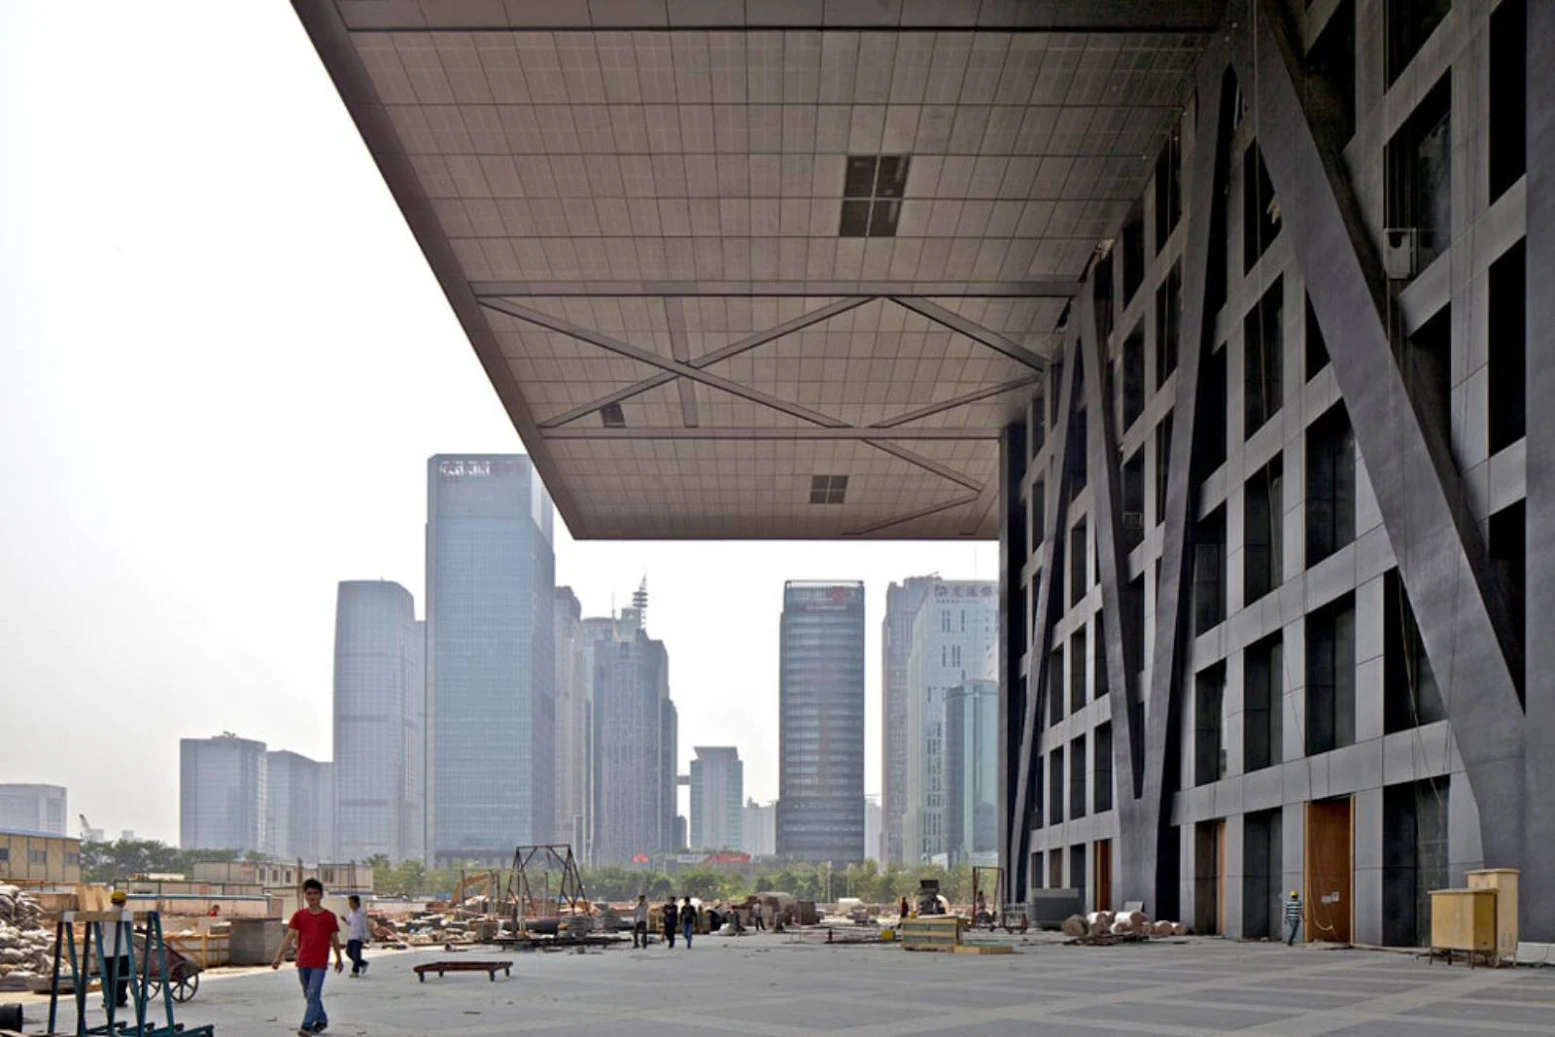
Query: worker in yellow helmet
(116, 954)
(1292, 916)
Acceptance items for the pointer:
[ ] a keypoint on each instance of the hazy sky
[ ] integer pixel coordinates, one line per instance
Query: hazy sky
(223, 363)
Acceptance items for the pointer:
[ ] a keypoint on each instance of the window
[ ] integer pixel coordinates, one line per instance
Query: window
(610, 415)
(1134, 500)
(1508, 404)
(1508, 95)
(1419, 176)
(1078, 569)
(1330, 485)
(1260, 209)
(872, 195)
(1414, 858)
(1332, 61)
(1317, 349)
(1098, 658)
(1409, 694)
(944, 621)
(1410, 24)
(1425, 359)
(1038, 514)
(1077, 672)
(72, 860)
(37, 856)
(1133, 254)
(1055, 685)
(1262, 532)
(1077, 778)
(1263, 360)
(1077, 869)
(1507, 545)
(1209, 698)
(1168, 323)
(1163, 465)
(5, 854)
(1331, 677)
(828, 489)
(1168, 189)
(1056, 786)
(1101, 769)
(1209, 442)
(1209, 571)
(1263, 698)
(1133, 377)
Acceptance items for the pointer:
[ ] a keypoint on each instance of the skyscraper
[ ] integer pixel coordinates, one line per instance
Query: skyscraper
(758, 824)
(222, 794)
(572, 722)
(634, 744)
(33, 808)
(821, 722)
(299, 806)
(972, 772)
(490, 668)
(380, 723)
(901, 608)
(953, 637)
(717, 798)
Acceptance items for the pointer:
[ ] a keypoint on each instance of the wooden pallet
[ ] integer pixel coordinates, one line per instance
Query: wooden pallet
(984, 948)
(933, 933)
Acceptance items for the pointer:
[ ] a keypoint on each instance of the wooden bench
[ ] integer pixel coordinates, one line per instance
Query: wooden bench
(488, 967)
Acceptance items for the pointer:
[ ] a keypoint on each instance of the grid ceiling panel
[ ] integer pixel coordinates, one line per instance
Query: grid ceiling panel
(686, 163)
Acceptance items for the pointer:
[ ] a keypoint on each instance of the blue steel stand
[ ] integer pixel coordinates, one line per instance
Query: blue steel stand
(141, 984)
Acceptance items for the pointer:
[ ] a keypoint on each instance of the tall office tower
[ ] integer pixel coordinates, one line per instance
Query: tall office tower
(222, 794)
(572, 722)
(953, 637)
(874, 819)
(634, 743)
(820, 814)
(717, 798)
(758, 825)
(299, 806)
(901, 608)
(490, 658)
(33, 808)
(595, 630)
(380, 723)
(972, 772)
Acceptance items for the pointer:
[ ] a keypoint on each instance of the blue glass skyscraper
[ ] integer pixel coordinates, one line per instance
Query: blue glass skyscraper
(491, 708)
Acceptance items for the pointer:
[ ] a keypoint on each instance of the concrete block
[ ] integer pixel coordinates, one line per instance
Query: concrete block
(1368, 700)
(1366, 916)
(1400, 757)
(1373, 554)
(1263, 789)
(1330, 578)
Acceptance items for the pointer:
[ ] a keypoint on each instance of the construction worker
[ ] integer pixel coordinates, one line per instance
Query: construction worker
(671, 915)
(116, 954)
(1292, 917)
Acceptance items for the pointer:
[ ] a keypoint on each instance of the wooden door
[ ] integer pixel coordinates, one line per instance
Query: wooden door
(1330, 866)
(1103, 884)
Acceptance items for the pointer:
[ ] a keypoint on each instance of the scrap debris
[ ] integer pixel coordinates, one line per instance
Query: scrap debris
(26, 947)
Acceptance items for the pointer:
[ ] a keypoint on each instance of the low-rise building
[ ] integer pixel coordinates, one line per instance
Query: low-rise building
(39, 857)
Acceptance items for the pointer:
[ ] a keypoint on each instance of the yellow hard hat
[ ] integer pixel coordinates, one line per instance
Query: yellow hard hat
(119, 896)
(1294, 894)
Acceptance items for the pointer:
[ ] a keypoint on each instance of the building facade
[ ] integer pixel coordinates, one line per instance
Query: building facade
(952, 641)
(1271, 512)
(223, 789)
(379, 723)
(901, 609)
(634, 744)
(34, 808)
(820, 814)
(299, 806)
(972, 772)
(36, 856)
(491, 708)
(758, 826)
(717, 799)
(572, 723)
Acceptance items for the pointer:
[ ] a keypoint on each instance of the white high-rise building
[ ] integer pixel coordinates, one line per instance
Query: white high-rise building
(572, 723)
(380, 723)
(717, 798)
(901, 609)
(758, 825)
(953, 638)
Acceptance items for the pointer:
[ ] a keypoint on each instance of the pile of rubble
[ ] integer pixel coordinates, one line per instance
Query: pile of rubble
(26, 947)
(1108, 927)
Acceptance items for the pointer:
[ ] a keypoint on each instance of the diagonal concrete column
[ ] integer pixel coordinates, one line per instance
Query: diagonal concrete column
(1139, 873)
(1046, 607)
(1441, 554)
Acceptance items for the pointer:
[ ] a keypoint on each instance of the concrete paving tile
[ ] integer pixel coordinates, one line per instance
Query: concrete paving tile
(1488, 1011)
(1195, 1017)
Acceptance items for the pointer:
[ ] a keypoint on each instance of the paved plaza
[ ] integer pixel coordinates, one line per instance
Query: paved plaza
(769, 986)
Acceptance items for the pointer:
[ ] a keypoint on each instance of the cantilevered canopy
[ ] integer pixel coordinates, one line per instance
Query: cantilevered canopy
(763, 269)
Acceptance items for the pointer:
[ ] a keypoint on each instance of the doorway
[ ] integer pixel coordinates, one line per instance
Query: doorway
(1330, 866)
(1103, 885)
(1209, 869)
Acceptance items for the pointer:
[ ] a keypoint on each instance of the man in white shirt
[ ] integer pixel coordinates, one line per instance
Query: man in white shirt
(640, 922)
(356, 935)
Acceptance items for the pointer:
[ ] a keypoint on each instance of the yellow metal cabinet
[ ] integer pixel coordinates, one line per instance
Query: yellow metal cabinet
(1504, 882)
(1463, 920)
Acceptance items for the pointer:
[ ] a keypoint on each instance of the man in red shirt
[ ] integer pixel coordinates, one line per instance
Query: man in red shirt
(315, 931)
